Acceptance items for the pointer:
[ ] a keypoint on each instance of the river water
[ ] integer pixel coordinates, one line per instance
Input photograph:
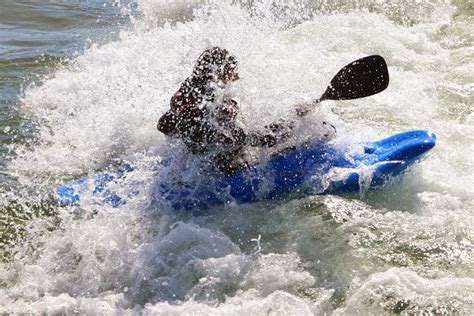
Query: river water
(82, 86)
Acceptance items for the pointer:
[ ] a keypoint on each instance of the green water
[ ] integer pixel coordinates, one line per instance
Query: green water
(37, 37)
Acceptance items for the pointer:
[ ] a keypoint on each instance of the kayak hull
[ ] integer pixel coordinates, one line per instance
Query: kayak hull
(311, 169)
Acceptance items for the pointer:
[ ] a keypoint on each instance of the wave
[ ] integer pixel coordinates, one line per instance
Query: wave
(398, 250)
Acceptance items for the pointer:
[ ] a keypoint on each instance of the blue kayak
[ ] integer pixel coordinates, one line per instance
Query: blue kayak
(313, 168)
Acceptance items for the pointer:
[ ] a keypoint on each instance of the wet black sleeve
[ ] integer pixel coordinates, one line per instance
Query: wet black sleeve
(261, 140)
(273, 134)
(240, 138)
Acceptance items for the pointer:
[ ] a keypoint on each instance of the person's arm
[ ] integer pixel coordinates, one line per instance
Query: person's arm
(272, 135)
(184, 115)
(280, 131)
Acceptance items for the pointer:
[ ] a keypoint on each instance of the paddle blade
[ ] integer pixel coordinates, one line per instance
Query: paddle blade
(361, 78)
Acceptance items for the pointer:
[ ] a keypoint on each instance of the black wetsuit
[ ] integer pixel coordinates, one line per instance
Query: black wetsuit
(223, 143)
(215, 134)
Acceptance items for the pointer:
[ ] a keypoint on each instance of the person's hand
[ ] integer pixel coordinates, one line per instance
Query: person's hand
(302, 109)
(183, 107)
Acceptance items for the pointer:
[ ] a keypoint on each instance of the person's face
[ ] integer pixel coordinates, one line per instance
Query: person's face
(231, 75)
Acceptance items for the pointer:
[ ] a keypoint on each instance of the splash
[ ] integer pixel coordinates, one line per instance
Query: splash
(318, 254)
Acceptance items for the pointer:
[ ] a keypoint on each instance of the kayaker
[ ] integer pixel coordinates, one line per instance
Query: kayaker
(206, 119)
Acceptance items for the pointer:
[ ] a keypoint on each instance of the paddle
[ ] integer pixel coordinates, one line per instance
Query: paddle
(361, 78)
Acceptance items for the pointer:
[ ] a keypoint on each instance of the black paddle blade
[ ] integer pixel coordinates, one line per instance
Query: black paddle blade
(361, 78)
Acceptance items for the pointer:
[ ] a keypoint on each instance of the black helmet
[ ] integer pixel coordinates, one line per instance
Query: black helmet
(212, 66)
(214, 63)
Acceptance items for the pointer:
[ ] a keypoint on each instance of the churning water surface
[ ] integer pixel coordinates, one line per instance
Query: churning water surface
(82, 86)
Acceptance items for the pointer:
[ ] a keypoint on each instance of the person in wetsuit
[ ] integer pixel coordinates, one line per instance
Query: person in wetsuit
(206, 122)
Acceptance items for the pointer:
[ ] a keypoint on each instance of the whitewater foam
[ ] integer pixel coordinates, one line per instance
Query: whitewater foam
(403, 249)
